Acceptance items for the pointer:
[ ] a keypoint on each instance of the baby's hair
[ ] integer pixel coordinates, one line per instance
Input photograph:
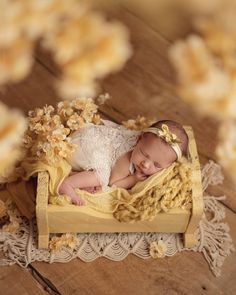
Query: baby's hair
(178, 130)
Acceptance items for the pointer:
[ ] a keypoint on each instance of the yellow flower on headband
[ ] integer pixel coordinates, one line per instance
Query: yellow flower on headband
(165, 134)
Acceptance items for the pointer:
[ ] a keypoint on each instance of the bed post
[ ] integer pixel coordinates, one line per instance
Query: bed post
(41, 209)
(197, 194)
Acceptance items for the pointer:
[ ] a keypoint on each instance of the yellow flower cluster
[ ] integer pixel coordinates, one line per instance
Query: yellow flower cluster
(203, 81)
(174, 192)
(66, 240)
(206, 64)
(10, 216)
(12, 128)
(157, 249)
(49, 127)
(206, 70)
(139, 123)
(83, 44)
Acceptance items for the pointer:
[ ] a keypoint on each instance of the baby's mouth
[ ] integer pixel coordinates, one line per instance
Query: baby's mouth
(140, 169)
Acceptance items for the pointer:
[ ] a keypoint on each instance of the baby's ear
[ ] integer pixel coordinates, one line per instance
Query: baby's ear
(140, 136)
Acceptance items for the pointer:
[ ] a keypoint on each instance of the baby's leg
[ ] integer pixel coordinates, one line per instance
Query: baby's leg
(90, 189)
(79, 180)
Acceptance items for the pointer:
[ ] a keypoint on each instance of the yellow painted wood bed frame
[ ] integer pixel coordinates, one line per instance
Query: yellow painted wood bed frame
(71, 218)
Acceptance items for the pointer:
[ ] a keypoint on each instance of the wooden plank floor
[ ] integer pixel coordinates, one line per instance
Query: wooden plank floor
(146, 87)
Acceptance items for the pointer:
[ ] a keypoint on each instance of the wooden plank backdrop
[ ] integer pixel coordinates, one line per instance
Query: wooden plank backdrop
(145, 86)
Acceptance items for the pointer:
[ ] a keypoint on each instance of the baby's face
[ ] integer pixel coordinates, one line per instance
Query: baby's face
(151, 155)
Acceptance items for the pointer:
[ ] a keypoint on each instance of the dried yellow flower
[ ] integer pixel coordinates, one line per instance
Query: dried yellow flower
(12, 215)
(66, 240)
(88, 113)
(96, 119)
(203, 82)
(102, 98)
(75, 122)
(12, 128)
(80, 103)
(157, 249)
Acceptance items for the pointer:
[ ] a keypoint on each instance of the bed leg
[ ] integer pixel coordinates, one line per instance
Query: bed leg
(41, 210)
(189, 240)
(43, 241)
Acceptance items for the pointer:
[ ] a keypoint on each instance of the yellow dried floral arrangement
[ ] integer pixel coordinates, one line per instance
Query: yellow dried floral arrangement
(49, 127)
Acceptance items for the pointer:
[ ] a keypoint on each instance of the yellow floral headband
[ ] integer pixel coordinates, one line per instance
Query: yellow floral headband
(168, 137)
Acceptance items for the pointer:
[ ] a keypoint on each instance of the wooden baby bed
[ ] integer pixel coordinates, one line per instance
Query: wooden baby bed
(71, 218)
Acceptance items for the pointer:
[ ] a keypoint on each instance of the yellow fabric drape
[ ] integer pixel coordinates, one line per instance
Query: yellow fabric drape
(161, 191)
(171, 186)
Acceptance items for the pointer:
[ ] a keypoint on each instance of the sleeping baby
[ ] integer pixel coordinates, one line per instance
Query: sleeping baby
(110, 155)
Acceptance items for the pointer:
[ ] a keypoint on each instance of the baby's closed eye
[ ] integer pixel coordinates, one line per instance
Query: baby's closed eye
(143, 153)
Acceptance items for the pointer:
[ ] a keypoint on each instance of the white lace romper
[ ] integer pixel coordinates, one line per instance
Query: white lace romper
(99, 146)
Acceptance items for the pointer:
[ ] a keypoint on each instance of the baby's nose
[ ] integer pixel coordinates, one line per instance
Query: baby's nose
(145, 164)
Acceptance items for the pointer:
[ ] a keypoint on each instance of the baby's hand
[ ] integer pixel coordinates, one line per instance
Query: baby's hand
(140, 176)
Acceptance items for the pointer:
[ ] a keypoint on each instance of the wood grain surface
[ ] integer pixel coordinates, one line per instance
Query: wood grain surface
(145, 86)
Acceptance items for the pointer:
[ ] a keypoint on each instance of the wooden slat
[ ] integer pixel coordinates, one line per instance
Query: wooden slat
(79, 219)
